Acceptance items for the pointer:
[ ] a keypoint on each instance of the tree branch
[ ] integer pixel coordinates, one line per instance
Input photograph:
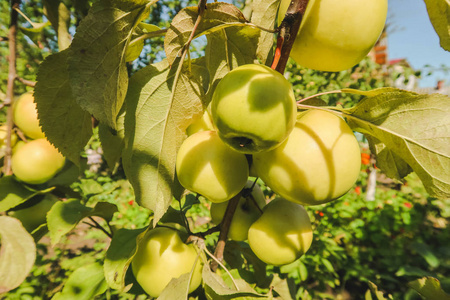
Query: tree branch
(25, 81)
(288, 32)
(9, 99)
(225, 227)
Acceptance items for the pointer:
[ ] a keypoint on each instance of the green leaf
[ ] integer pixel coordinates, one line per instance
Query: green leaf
(160, 106)
(64, 216)
(374, 289)
(439, 13)
(63, 121)
(97, 65)
(227, 49)
(59, 16)
(17, 253)
(216, 288)
(105, 210)
(282, 288)
(425, 251)
(12, 193)
(35, 32)
(177, 289)
(119, 255)
(410, 129)
(429, 288)
(113, 140)
(264, 15)
(216, 16)
(84, 283)
(136, 44)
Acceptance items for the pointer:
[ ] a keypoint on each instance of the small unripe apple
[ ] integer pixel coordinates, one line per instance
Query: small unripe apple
(161, 256)
(36, 162)
(202, 124)
(319, 162)
(26, 116)
(207, 166)
(282, 234)
(247, 212)
(3, 134)
(253, 108)
(336, 35)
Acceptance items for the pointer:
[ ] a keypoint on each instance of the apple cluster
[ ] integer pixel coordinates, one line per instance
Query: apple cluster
(252, 128)
(308, 158)
(34, 161)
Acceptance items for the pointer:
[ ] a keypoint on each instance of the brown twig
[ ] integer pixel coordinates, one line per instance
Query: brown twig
(288, 31)
(225, 227)
(9, 99)
(98, 226)
(25, 81)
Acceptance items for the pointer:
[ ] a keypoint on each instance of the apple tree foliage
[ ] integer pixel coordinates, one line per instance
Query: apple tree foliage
(144, 106)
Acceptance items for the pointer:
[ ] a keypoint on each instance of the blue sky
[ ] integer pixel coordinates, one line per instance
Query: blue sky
(412, 36)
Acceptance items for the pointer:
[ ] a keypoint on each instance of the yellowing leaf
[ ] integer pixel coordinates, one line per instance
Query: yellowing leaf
(17, 253)
(410, 129)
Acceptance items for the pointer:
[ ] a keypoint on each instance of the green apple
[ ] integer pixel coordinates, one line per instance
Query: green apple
(3, 134)
(34, 216)
(26, 116)
(319, 162)
(207, 166)
(282, 234)
(247, 212)
(336, 35)
(36, 162)
(202, 124)
(161, 256)
(253, 108)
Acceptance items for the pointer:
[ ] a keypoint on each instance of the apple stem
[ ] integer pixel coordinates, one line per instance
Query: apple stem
(288, 32)
(225, 227)
(9, 99)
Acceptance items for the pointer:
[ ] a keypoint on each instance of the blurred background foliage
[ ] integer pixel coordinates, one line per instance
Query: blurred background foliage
(400, 236)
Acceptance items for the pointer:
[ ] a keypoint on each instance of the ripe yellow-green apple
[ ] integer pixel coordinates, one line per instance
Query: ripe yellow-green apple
(26, 116)
(248, 211)
(336, 35)
(161, 256)
(253, 108)
(207, 166)
(36, 162)
(34, 216)
(202, 124)
(319, 162)
(282, 234)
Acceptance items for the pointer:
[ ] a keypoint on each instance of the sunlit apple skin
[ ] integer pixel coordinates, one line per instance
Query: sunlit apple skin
(202, 124)
(34, 216)
(26, 117)
(36, 162)
(161, 256)
(207, 166)
(336, 35)
(319, 162)
(282, 234)
(253, 108)
(246, 212)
